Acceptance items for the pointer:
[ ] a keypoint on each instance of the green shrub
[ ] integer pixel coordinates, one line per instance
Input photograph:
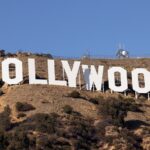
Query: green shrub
(131, 105)
(83, 132)
(24, 106)
(3, 141)
(1, 82)
(21, 115)
(117, 109)
(7, 110)
(18, 140)
(123, 138)
(94, 100)
(5, 123)
(74, 94)
(1, 92)
(45, 123)
(68, 109)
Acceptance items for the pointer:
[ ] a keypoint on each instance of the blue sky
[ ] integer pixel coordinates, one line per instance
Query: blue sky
(71, 27)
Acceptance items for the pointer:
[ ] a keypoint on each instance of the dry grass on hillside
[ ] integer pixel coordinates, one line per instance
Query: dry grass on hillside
(83, 122)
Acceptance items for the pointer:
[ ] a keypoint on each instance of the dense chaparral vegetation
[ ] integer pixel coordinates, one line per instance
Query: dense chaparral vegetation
(71, 130)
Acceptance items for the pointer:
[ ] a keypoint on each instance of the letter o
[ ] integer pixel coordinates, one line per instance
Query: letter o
(18, 71)
(123, 76)
(135, 80)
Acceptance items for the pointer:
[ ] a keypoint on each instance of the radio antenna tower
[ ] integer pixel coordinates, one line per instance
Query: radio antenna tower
(121, 52)
(87, 55)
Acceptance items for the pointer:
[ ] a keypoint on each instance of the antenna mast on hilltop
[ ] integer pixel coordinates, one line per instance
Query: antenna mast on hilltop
(121, 52)
(87, 55)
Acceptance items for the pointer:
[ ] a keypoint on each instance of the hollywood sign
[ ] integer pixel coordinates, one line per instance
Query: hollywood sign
(90, 75)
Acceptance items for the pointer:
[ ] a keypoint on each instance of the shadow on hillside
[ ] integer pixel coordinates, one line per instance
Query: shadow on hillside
(135, 124)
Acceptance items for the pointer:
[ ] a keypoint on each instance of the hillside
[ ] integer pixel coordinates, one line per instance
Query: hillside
(73, 119)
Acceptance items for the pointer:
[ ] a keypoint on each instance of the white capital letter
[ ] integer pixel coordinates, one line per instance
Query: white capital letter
(135, 80)
(51, 75)
(32, 74)
(18, 71)
(92, 77)
(71, 73)
(123, 79)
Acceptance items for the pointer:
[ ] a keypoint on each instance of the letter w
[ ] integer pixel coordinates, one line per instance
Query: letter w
(92, 77)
